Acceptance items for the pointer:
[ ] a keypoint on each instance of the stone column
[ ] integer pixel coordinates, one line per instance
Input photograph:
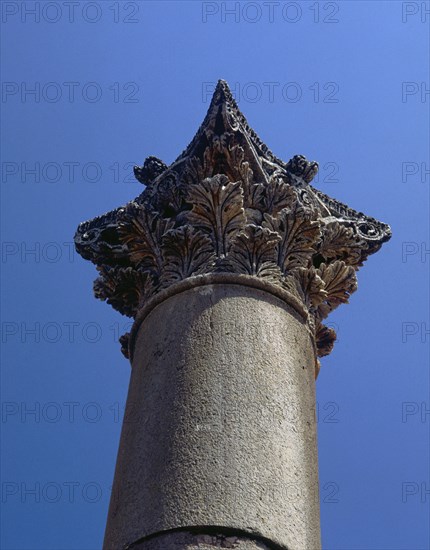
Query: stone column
(229, 261)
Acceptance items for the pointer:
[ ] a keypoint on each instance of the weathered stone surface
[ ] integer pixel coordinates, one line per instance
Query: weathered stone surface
(220, 424)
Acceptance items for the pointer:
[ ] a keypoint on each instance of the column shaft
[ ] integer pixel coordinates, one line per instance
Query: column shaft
(219, 429)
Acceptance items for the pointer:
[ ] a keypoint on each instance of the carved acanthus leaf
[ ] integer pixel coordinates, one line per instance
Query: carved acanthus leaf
(170, 194)
(241, 170)
(256, 196)
(340, 282)
(253, 253)
(141, 230)
(219, 157)
(299, 234)
(325, 338)
(194, 172)
(186, 252)
(278, 195)
(217, 210)
(309, 285)
(341, 243)
(290, 284)
(255, 204)
(124, 288)
(272, 197)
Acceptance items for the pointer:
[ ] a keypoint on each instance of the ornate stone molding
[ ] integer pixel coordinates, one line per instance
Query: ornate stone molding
(228, 205)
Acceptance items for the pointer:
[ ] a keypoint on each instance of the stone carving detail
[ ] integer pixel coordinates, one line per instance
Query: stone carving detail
(228, 205)
(253, 253)
(186, 252)
(217, 208)
(124, 288)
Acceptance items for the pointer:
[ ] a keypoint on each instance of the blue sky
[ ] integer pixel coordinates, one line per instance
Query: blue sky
(344, 83)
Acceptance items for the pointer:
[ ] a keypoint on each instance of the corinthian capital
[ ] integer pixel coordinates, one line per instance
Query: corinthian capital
(227, 206)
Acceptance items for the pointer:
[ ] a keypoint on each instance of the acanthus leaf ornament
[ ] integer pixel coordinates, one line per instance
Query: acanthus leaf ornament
(186, 252)
(339, 242)
(299, 233)
(124, 288)
(278, 195)
(218, 210)
(228, 205)
(310, 286)
(141, 231)
(340, 282)
(325, 338)
(253, 253)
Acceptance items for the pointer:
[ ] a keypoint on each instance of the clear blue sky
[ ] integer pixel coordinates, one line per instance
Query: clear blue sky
(348, 89)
